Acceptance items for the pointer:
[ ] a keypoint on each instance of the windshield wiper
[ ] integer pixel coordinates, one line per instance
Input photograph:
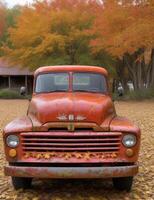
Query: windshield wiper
(85, 91)
(57, 90)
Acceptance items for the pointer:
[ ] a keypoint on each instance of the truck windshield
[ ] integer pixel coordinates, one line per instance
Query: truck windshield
(82, 82)
(52, 82)
(89, 82)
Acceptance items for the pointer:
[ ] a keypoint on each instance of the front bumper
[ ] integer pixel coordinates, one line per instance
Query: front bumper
(71, 172)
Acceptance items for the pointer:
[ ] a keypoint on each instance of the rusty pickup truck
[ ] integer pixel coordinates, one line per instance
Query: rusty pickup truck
(71, 130)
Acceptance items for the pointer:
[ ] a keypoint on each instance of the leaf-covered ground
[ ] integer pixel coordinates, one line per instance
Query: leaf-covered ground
(140, 112)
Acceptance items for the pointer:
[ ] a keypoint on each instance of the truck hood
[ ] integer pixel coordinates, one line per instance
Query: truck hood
(78, 107)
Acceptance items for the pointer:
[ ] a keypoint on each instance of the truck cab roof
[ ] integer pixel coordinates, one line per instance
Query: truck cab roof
(71, 68)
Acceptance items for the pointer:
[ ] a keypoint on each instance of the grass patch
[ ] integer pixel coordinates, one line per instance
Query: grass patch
(11, 94)
(136, 95)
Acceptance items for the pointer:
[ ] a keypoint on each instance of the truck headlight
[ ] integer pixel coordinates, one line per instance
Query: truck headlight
(129, 140)
(12, 141)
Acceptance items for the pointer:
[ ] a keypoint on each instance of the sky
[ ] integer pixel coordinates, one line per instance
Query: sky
(12, 3)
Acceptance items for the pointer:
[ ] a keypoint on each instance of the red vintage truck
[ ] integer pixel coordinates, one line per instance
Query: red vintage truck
(71, 130)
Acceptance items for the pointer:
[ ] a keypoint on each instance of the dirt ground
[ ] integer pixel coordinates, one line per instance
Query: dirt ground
(141, 113)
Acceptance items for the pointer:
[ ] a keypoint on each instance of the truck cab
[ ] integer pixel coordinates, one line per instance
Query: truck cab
(71, 130)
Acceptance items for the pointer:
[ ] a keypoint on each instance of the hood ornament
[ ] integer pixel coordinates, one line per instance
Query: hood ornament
(62, 117)
(71, 117)
(80, 118)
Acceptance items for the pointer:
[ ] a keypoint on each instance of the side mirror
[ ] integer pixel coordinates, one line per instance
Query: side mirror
(120, 91)
(23, 91)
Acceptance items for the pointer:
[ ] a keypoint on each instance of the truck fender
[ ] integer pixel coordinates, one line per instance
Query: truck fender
(22, 124)
(122, 124)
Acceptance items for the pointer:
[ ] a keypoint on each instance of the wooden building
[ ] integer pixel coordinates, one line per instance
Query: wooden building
(15, 77)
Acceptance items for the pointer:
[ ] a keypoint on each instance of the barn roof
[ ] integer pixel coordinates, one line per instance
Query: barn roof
(7, 70)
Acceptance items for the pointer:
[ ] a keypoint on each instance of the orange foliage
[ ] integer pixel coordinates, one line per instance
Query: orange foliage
(124, 28)
(49, 28)
(63, 28)
(70, 155)
(2, 19)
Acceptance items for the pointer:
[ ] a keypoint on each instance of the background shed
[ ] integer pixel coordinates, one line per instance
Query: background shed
(14, 77)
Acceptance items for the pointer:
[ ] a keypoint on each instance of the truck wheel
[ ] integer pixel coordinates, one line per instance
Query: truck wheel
(21, 183)
(123, 183)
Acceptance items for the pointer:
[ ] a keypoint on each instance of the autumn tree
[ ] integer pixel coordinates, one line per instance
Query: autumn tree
(2, 18)
(125, 29)
(52, 32)
(9, 20)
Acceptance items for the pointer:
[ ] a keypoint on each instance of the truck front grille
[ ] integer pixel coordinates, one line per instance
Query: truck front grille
(71, 141)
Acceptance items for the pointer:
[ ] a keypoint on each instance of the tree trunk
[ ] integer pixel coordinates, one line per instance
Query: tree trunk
(150, 72)
(138, 72)
(135, 68)
(121, 74)
(152, 69)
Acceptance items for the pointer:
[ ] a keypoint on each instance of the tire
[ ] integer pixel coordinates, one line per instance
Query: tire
(21, 183)
(123, 183)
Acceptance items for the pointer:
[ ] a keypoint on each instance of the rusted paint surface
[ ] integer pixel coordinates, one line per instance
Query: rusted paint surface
(88, 105)
(46, 108)
(124, 125)
(37, 125)
(77, 125)
(71, 172)
(71, 68)
(22, 124)
(94, 112)
(29, 149)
